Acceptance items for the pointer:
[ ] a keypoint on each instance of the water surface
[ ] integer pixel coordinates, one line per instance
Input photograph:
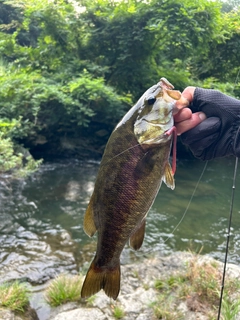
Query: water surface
(41, 218)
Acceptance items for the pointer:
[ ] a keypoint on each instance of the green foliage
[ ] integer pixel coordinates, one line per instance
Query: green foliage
(94, 99)
(199, 287)
(14, 158)
(118, 312)
(225, 65)
(43, 105)
(63, 289)
(71, 70)
(170, 283)
(230, 308)
(164, 309)
(14, 296)
(8, 160)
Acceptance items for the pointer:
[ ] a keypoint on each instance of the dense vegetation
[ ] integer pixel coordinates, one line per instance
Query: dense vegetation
(70, 69)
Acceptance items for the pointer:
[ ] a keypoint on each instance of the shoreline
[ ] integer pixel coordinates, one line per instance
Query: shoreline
(138, 292)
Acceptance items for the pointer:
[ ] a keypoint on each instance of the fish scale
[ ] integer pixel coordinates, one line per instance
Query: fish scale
(133, 166)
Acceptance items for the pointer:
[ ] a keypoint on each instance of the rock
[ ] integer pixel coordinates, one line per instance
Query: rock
(137, 301)
(137, 293)
(30, 314)
(233, 271)
(8, 315)
(83, 314)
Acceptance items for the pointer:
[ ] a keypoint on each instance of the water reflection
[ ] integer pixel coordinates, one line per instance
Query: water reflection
(41, 218)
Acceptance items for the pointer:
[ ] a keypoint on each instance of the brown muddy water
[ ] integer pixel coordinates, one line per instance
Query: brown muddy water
(41, 219)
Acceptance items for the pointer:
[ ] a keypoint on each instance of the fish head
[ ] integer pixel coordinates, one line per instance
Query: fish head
(155, 113)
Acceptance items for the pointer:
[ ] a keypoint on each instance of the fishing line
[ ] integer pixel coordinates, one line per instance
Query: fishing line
(228, 238)
(117, 155)
(186, 210)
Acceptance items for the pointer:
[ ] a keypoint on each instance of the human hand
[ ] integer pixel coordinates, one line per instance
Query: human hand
(186, 120)
(211, 126)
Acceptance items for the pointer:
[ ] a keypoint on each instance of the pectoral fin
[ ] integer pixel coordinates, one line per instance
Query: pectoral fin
(88, 223)
(168, 177)
(136, 239)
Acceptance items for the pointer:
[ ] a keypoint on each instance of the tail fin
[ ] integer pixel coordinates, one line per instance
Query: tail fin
(102, 278)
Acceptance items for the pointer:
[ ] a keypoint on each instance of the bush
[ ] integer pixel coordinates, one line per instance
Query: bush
(14, 158)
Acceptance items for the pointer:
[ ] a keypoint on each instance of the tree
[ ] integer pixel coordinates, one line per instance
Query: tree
(70, 72)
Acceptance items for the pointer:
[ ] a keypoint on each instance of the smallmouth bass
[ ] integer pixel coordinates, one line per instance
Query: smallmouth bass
(133, 166)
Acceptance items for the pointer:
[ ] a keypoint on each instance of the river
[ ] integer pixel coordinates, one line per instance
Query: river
(41, 218)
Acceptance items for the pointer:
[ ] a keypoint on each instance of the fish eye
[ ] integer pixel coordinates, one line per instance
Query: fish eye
(151, 100)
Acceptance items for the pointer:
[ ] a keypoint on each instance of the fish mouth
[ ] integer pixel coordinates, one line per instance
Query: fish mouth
(156, 123)
(176, 108)
(157, 139)
(164, 83)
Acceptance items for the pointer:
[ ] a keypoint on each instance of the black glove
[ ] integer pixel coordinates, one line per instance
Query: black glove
(219, 134)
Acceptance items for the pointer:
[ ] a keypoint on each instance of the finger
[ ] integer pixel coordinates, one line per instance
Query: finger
(190, 123)
(182, 115)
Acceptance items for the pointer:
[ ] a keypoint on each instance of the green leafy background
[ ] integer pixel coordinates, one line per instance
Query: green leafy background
(69, 70)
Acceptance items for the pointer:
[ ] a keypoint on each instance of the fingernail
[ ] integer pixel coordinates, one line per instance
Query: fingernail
(202, 116)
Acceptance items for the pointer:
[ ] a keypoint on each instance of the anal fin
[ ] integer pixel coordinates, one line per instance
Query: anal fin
(137, 237)
(88, 223)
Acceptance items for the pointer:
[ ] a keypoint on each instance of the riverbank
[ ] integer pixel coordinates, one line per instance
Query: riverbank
(144, 293)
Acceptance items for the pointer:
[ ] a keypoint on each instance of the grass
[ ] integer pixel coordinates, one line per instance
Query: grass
(199, 286)
(14, 296)
(230, 308)
(67, 288)
(63, 289)
(90, 300)
(204, 280)
(118, 312)
(165, 308)
(172, 282)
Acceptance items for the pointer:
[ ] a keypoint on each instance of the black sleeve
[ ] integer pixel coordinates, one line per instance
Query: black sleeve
(219, 134)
